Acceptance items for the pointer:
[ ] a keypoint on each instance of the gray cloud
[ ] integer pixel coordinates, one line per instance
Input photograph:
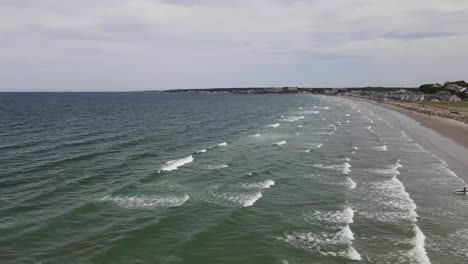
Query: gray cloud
(91, 45)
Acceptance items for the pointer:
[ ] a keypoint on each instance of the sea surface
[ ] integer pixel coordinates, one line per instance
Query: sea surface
(179, 178)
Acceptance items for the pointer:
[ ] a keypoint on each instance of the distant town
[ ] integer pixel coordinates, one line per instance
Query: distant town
(447, 92)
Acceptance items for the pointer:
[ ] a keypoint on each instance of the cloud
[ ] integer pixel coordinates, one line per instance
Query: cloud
(91, 45)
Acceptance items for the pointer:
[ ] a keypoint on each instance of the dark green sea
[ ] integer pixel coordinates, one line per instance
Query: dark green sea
(208, 179)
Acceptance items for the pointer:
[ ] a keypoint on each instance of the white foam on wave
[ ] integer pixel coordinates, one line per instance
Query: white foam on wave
(256, 135)
(418, 253)
(280, 143)
(297, 133)
(350, 183)
(311, 112)
(146, 202)
(319, 145)
(343, 168)
(348, 115)
(346, 168)
(247, 200)
(340, 217)
(333, 126)
(323, 242)
(201, 151)
(175, 164)
(299, 126)
(274, 125)
(217, 167)
(259, 185)
(393, 195)
(300, 108)
(347, 121)
(307, 150)
(294, 118)
(391, 170)
(222, 144)
(381, 148)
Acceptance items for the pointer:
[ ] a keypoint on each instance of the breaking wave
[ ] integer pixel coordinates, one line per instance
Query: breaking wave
(175, 164)
(259, 185)
(146, 202)
(280, 143)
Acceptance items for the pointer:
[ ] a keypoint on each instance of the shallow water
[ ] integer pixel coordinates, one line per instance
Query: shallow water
(159, 178)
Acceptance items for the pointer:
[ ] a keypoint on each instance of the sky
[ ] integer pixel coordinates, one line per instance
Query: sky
(130, 45)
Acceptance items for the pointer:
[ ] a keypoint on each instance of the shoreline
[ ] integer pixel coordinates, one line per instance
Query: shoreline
(446, 138)
(449, 128)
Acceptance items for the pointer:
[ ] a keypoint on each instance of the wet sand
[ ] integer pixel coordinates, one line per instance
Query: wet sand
(451, 129)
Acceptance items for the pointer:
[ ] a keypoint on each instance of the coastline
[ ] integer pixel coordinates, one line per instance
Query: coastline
(449, 128)
(446, 138)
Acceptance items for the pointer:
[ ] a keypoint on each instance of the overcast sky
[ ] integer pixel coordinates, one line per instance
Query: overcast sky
(121, 45)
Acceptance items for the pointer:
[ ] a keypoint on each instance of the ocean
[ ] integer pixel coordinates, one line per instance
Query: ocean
(187, 178)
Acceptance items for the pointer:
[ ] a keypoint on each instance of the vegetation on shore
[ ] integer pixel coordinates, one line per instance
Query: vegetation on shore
(455, 106)
(432, 88)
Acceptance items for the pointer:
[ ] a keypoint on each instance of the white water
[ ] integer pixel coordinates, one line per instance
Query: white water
(146, 202)
(222, 144)
(346, 168)
(274, 125)
(280, 143)
(293, 118)
(418, 253)
(350, 183)
(175, 164)
(217, 167)
(259, 185)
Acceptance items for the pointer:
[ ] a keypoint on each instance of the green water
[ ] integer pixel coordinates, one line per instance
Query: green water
(156, 178)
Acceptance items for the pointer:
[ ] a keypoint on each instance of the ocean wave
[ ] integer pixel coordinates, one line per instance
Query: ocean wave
(259, 185)
(307, 150)
(340, 217)
(348, 115)
(201, 151)
(381, 148)
(323, 243)
(217, 167)
(299, 126)
(336, 167)
(391, 170)
(175, 164)
(418, 254)
(319, 145)
(256, 135)
(245, 200)
(350, 183)
(145, 202)
(280, 143)
(346, 168)
(311, 112)
(222, 144)
(300, 108)
(274, 125)
(293, 118)
(394, 201)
